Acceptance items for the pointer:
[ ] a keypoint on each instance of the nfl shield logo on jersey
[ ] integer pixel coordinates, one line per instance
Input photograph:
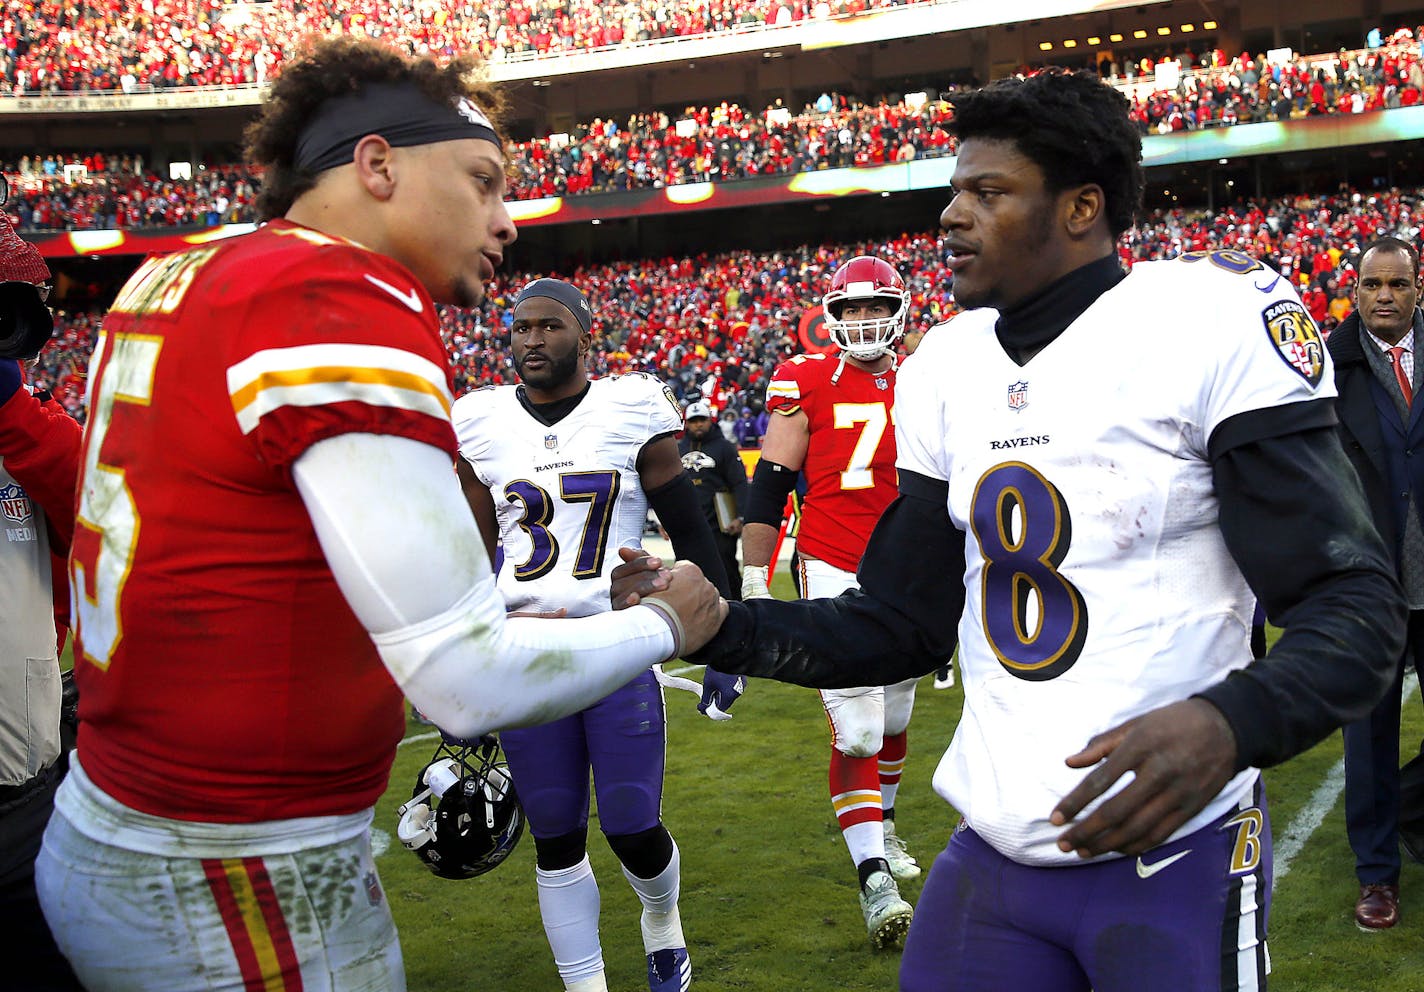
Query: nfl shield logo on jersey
(15, 504)
(1018, 396)
(1296, 339)
(551, 441)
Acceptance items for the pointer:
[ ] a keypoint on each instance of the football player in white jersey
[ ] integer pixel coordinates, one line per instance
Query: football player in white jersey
(1096, 472)
(562, 470)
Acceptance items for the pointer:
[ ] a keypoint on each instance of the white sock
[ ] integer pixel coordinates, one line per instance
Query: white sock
(594, 984)
(887, 794)
(865, 840)
(569, 905)
(662, 926)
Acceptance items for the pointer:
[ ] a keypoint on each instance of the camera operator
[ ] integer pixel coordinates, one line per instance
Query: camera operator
(39, 459)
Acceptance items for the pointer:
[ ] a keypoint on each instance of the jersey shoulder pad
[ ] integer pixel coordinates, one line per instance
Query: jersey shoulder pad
(479, 416)
(637, 404)
(796, 380)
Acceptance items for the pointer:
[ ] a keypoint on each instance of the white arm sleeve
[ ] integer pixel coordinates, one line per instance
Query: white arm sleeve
(414, 570)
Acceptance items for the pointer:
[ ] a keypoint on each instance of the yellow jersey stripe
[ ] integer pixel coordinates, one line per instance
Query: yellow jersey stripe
(256, 924)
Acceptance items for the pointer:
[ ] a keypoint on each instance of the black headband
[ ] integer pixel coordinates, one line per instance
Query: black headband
(561, 292)
(398, 112)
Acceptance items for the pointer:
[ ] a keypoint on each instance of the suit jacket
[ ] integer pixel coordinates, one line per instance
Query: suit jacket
(1388, 455)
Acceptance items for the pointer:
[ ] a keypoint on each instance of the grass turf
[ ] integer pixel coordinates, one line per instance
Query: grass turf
(768, 892)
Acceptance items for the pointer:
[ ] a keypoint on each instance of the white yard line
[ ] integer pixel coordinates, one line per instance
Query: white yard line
(416, 738)
(1307, 821)
(1321, 802)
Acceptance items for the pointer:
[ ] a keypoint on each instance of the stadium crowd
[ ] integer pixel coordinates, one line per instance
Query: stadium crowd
(66, 45)
(714, 327)
(725, 142)
(1220, 92)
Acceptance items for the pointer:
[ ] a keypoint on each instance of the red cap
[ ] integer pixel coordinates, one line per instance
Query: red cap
(20, 261)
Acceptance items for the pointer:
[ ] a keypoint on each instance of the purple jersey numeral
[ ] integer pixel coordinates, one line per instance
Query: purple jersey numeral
(598, 489)
(1023, 528)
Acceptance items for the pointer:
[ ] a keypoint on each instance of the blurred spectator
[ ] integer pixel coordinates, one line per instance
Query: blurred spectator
(721, 323)
(78, 191)
(57, 45)
(727, 424)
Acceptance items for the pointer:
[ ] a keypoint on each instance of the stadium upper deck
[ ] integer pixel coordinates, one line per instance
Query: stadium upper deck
(93, 190)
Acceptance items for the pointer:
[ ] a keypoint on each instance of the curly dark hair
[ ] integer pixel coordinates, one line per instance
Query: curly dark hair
(333, 67)
(1071, 125)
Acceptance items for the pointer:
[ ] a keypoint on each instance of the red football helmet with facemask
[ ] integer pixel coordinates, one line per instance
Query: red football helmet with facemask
(866, 278)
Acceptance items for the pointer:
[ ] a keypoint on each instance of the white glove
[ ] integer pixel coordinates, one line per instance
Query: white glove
(754, 582)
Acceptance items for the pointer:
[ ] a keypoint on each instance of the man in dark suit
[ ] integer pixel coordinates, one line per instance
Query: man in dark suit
(1382, 428)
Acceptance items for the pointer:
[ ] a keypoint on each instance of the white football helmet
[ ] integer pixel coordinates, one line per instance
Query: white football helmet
(866, 278)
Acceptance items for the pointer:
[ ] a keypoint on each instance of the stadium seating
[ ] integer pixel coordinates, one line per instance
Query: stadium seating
(715, 327)
(113, 45)
(726, 142)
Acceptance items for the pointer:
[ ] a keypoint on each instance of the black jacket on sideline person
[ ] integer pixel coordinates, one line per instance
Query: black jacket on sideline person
(1386, 468)
(716, 467)
(1387, 453)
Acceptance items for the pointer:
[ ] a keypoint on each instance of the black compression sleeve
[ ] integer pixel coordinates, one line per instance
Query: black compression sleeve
(766, 499)
(681, 516)
(1295, 520)
(901, 626)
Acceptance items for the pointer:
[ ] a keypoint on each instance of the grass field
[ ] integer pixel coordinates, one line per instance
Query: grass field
(768, 891)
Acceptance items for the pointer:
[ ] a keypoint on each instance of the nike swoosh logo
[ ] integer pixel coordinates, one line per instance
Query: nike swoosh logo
(1147, 871)
(410, 298)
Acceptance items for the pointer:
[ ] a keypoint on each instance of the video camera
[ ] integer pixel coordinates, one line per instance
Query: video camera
(25, 322)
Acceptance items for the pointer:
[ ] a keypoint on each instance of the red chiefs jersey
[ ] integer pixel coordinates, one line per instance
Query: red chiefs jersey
(223, 677)
(850, 463)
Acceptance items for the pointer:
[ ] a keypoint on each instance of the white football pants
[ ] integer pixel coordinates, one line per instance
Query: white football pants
(860, 718)
(129, 922)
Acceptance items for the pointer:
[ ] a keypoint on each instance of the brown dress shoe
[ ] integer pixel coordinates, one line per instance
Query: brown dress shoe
(1378, 908)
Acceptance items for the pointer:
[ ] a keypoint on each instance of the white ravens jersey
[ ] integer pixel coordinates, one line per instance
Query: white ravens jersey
(568, 494)
(1097, 585)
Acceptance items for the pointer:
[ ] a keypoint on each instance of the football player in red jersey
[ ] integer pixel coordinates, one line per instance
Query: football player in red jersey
(832, 421)
(271, 547)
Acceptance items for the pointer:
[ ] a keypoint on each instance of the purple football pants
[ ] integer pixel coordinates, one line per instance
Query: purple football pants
(622, 737)
(1168, 921)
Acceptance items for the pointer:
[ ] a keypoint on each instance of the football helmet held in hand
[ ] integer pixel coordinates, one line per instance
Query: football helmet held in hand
(463, 818)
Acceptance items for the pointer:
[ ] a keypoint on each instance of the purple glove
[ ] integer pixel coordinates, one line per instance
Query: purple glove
(719, 692)
(9, 379)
